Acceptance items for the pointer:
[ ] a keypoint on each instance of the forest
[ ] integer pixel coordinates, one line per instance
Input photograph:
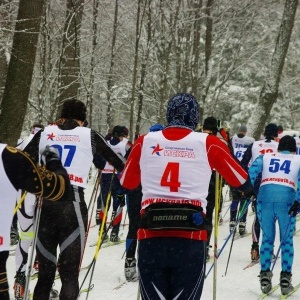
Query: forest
(125, 58)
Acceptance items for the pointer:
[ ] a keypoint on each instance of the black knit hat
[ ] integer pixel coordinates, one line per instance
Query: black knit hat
(211, 123)
(287, 143)
(118, 131)
(271, 131)
(73, 109)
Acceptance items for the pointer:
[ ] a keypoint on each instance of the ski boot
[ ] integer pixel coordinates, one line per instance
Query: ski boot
(36, 264)
(113, 214)
(14, 236)
(254, 252)
(19, 286)
(231, 225)
(286, 282)
(266, 281)
(130, 269)
(114, 237)
(98, 221)
(54, 295)
(220, 219)
(207, 253)
(242, 228)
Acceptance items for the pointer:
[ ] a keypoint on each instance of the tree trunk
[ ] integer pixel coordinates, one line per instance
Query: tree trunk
(110, 81)
(70, 57)
(269, 92)
(20, 70)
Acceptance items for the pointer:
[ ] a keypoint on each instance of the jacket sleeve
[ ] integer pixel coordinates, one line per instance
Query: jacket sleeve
(52, 183)
(221, 160)
(247, 157)
(255, 169)
(131, 175)
(101, 147)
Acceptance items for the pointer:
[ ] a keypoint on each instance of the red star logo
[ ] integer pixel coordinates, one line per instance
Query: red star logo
(51, 136)
(156, 149)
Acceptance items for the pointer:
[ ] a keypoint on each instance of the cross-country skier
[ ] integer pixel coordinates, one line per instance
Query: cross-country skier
(268, 145)
(279, 187)
(174, 167)
(110, 183)
(210, 126)
(51, 183)
(240, 142)
(25, 218)
(77, 146)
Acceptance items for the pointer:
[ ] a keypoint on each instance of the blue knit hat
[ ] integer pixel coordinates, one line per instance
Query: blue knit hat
(156, 127)
(183, 110)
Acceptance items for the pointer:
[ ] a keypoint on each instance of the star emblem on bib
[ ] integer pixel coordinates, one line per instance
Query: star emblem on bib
(51, 136)
(156, 150)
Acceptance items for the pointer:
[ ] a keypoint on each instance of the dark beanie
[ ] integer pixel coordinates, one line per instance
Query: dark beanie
(183, 110)
(210, 123)
(118, 131)
(287, 143)
(271, 131)
(73, 109)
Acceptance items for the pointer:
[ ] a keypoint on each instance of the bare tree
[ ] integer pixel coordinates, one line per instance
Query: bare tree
(69, 69)
(269, 91)
(19, 75)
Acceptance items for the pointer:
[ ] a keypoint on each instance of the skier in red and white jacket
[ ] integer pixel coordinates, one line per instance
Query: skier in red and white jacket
(174, 167)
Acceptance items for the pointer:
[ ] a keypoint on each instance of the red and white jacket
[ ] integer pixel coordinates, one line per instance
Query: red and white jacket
(175, 166)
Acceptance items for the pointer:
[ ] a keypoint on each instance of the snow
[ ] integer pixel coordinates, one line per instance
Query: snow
(237, 284)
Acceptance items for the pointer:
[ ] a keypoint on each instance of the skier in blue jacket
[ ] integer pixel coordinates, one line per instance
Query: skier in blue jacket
(279, 187)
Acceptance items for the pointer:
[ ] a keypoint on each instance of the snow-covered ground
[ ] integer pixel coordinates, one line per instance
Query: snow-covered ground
(109, 281)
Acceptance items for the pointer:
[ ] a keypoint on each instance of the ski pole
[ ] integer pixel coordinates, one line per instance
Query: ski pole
(281, 242)
(243, 211)
(97, 184)
(100, 237)
(227, 239)
(30, 261)
(95, 189)
(20, 202)
(216, 233)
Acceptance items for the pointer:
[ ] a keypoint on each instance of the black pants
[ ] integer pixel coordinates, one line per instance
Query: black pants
(171, 268)
(4, 293)
(133, 208)
(63, 224)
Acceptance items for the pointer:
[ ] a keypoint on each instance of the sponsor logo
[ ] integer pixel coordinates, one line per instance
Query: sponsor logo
(170, 218)
(67, 138)
(156, 150)
(51, 136)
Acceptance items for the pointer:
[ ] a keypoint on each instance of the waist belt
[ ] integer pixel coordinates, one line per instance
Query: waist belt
(177, 217)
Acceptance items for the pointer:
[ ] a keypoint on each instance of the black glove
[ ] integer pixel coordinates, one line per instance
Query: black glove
(49, 154)
(295, 208)
(121, 199)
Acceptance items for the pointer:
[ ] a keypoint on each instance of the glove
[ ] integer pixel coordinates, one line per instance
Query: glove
(49, 154)
(121, 199)
(295, 208)
(197, 218)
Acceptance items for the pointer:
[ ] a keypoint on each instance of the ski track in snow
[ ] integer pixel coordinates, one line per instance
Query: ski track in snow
(109, 281)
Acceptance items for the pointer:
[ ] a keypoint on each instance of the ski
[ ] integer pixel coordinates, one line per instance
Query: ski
(120, 285)
(87, 289)
(263, 295)
(57, 276)
(290, 293)
(80, 292)
(242, 236)
(253, 263)
(109, 243)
